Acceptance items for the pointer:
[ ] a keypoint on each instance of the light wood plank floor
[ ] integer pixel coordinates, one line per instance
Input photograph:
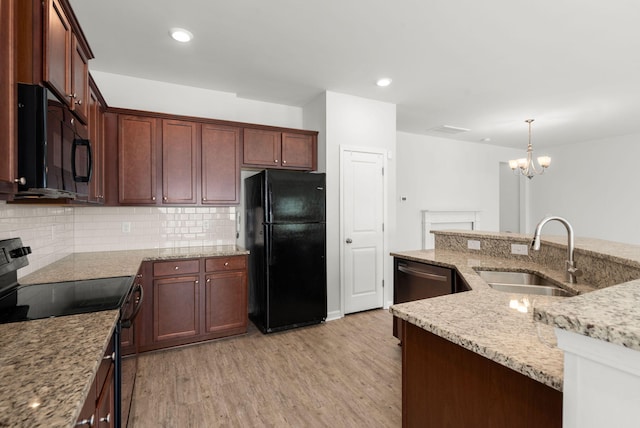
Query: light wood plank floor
(345, 373)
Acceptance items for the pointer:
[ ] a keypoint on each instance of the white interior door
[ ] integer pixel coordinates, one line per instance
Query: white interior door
(363, 237)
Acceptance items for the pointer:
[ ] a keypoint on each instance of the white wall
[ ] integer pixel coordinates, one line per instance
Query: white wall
(441, 174)
(595, 185)
(356, 122)
(150, 95)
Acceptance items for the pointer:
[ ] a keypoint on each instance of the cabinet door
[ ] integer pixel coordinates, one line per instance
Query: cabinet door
(105, 406)
(137, 160)
(226, 304)
(220, 164)
(8, 88)
(298, 151)
(179, 162)
(176, 312)
(57, 50)
(79, 101)
(96, 138)
(261, 148)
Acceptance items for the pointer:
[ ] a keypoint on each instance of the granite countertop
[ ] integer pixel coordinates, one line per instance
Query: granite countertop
(483, 321)
(47, 366)
(611, 314)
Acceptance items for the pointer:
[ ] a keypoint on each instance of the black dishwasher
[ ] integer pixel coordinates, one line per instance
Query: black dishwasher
(415, 281)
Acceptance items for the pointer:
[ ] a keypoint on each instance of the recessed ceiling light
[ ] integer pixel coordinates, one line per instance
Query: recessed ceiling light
(181, 35)
(383, 82)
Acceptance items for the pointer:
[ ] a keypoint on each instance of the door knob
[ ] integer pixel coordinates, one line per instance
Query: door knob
(349, 241)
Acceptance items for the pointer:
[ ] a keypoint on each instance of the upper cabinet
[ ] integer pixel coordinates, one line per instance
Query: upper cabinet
(65, 59)
(220, 165)
(8, 95)
(279, 150)
(96, 138)
(137, 160)
(179, 162)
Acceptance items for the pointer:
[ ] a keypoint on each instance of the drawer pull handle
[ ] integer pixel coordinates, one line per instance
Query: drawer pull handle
(421, 274)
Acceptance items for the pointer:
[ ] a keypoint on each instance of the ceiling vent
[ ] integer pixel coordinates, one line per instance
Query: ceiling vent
(448, 129)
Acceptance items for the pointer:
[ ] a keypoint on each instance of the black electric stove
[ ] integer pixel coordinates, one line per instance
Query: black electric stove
(36, 301)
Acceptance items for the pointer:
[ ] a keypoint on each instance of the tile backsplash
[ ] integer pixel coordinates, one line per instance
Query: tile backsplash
(53, 232)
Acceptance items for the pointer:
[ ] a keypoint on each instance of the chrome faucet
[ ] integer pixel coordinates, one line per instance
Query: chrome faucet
(572, 272)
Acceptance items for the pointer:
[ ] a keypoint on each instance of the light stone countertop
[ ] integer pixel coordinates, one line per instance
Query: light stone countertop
(53, 361)
(482, 321)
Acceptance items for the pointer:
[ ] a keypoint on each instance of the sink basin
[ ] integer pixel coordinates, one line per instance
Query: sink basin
(521, 282)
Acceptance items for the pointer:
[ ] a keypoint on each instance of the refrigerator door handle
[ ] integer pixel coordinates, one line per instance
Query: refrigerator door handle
(269, 199)
(269, 239)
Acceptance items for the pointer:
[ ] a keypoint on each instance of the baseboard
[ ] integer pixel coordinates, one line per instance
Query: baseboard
(334, 315)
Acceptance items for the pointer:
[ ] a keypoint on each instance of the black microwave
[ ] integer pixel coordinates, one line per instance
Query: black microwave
(54, 152)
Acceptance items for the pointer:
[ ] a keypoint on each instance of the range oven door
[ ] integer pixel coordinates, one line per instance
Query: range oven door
(128, 355)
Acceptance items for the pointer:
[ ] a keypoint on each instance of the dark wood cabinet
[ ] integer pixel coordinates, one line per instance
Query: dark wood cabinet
(99, 406)
(298, 151)
(8, 95)
(97, 141)
(176, 308)
(220, 165)
(444, 384)
(226, 295)
(137, 160)
(66, 58)
(179, 162)
(279, 150)
(192, 300)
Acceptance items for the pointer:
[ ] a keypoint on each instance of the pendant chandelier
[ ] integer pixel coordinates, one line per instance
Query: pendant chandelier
(526, 166)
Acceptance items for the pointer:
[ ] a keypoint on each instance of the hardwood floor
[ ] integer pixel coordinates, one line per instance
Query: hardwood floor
(345, 373)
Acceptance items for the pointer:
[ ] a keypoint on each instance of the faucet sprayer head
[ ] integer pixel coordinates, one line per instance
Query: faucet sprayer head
(535, 244)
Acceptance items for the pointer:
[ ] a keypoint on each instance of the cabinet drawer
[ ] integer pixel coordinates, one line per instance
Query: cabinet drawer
(105, 365)
(176, 267)
(225, 263)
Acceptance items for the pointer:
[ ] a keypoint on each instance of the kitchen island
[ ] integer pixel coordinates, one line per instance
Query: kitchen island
(47, 366)
(499, 326)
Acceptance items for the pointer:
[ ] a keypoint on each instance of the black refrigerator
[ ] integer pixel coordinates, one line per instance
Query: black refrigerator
(286, 238)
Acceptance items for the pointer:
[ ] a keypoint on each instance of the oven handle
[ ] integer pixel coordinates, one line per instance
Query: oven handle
(421, 274)
(127, 323)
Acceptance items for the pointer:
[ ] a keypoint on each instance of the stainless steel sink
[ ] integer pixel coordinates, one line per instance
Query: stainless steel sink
(521, 282)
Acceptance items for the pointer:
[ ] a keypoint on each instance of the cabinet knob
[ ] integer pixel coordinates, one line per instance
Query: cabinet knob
(208, 280)
(204, 199)
(88, 422)
(197, 282)
(20, 180)
(349, 241)
(71, 95)
(153, 198)
(226, 263)
(106, 419)
(79, 102)
(164, 198)
(177, 267)
(111, 357)
(276, 161)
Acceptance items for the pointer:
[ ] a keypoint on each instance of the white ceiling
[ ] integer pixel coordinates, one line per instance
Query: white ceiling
(573, 65)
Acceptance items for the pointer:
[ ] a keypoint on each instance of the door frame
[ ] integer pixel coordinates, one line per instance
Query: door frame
(385, 216)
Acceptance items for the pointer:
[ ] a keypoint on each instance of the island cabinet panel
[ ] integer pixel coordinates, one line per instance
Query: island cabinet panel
(220, 165)
(137, 160)
(179, 162)
(8, 95)
(444, 384)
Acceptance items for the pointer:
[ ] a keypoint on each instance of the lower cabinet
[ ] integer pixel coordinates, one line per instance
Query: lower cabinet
(99, 406)
(192, 300)
(444, 384)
